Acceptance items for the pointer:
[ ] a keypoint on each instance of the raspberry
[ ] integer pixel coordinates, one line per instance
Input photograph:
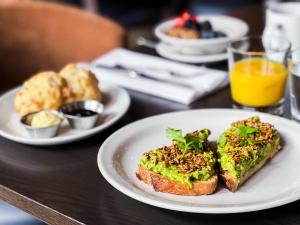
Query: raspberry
(185, 16)
(179, 22)
(194, 19)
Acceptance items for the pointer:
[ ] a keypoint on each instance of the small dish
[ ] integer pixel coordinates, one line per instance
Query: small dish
(233, 28)
(41, 132)
(82, 115)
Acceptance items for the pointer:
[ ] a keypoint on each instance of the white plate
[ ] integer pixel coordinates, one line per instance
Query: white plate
(275, 184)
(116, 102)
(167, 51)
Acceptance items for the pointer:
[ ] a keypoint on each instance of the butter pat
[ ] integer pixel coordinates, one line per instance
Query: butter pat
(44, 119)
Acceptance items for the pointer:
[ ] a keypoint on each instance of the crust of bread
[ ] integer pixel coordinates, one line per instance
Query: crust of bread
(82, 84)
(163, 184)
(233, 183)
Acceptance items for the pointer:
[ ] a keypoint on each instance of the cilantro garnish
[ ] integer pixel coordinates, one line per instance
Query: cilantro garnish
(176, 135)
(244, 131)
(185, 143)
(194, 142)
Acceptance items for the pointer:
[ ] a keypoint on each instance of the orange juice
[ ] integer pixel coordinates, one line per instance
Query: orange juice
(258, 82)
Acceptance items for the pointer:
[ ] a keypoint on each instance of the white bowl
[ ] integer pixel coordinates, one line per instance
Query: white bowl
(234, 29)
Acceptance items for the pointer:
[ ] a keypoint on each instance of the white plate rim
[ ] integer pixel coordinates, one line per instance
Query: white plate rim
(149, 201)
(74, 137)
(205, 58)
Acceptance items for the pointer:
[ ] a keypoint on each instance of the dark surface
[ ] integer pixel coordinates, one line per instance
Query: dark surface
(62, 184)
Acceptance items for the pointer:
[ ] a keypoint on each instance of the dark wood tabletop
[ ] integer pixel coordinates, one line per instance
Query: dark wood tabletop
(62, 184)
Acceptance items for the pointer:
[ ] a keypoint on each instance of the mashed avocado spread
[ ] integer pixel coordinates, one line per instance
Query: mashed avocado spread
(187, 160)
(245, 144)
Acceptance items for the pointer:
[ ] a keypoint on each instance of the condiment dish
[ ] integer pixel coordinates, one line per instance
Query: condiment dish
(41, 132)
(82, 115)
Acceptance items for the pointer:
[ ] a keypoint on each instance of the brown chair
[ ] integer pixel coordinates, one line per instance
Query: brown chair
(37, 36)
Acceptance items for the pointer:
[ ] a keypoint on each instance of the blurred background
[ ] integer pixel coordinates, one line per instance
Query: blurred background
(61, 28)
(138, 16)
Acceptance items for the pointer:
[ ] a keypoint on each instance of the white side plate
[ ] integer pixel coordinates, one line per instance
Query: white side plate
(116, 102)
(277, 183)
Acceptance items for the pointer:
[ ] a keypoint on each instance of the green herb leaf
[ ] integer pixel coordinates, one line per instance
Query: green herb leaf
(181, 145)
(176, 135)
(194, 142)
(185, 143)
(244, 131)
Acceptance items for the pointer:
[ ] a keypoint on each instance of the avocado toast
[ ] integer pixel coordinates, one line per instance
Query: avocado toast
(244, 148)
(186, 167)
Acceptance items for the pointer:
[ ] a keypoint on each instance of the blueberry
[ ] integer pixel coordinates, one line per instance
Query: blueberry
(199, 27)
(206, 25)
(208, 34)
(195, 27)
(220, 34)
(190, 25)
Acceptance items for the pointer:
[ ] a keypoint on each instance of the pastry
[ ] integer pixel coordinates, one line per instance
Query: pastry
(81, 84)
(42, 91)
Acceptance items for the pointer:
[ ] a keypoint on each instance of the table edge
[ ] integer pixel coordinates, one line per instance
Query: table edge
(42, 212)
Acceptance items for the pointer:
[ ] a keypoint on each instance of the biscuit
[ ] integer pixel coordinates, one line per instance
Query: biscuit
(81, 84)
(42, 91)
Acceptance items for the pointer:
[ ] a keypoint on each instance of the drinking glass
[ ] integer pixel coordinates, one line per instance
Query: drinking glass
(294, 81)
(258, 73)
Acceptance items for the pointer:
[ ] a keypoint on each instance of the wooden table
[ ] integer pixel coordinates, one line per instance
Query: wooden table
(62, 184)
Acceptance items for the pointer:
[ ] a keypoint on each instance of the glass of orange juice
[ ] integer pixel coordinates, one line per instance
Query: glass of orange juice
(258, 73)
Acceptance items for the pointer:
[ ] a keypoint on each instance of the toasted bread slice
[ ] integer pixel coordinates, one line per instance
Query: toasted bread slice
(244, 149)
(163, 184)
(186, 167)
(233, 183)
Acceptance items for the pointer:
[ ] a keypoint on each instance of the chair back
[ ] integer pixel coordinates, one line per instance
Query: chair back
(37, 36)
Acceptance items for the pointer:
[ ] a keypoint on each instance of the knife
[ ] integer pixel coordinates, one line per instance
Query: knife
(135, 74)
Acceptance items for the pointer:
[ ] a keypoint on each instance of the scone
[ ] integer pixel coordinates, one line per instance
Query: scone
(81, 84)
(42, 91)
